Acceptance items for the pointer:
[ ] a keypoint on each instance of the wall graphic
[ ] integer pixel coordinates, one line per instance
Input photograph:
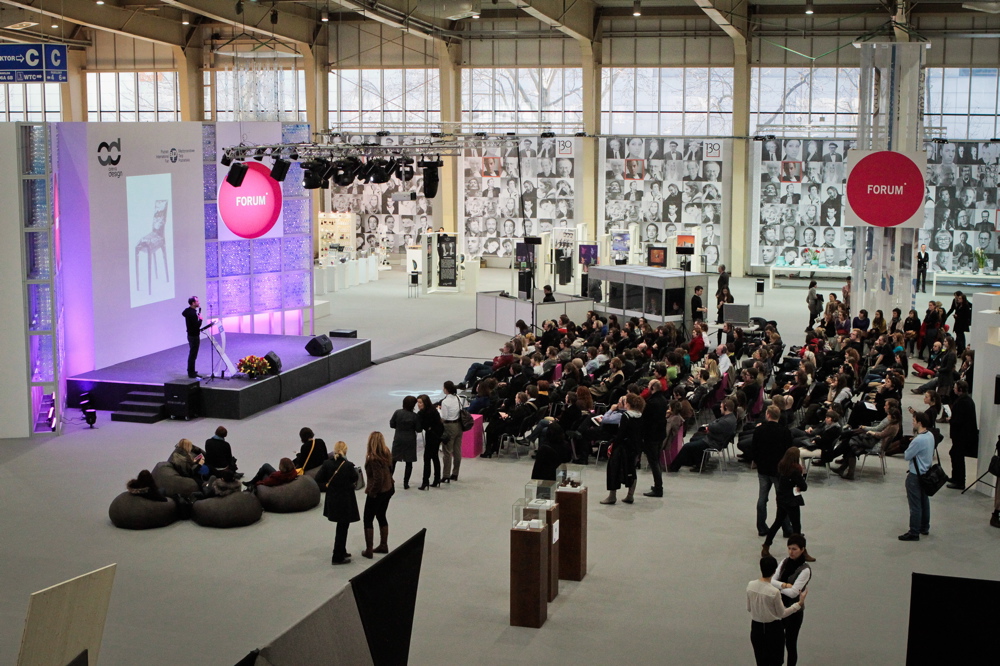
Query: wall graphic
(799, 203)
(150, 238)
(381, 222)
(524, 186)
(656, 187)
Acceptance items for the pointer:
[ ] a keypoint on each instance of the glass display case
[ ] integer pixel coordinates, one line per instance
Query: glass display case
(540, 490)
(570, 477)
(526, 516)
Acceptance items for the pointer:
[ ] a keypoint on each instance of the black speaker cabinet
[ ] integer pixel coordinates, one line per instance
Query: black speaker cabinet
(274, 361)
(319, 346)
(182, 398)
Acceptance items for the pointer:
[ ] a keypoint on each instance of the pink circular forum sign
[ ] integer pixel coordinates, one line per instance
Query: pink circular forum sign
(885, 189)
(251, 209)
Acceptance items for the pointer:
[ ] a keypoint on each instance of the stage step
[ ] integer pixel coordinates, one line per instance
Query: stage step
(141, 407)
(137, 417)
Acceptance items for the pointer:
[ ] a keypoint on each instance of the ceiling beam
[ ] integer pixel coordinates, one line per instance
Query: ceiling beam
(127, 22)
(730, 15)
(397, 14)
(576, 18)
(256, 18)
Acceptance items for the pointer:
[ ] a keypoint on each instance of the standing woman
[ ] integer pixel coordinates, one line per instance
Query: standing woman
(815, 304)
(722, 298)
(451, 443)
(625, 451)
(430, 423)
(962, 309)
(792, 578)
(338, 476)
(404, 441)
(919, 456)
(380, 488)
(932, 324)
(789, 501)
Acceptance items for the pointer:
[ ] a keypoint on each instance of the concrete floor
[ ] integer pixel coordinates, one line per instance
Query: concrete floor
(666, 579)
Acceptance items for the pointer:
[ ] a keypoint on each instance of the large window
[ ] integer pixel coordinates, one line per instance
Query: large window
(132, 97)
(404, 99)
(265, 94)
(962, 102)
(505, 97)
(804, 100)
(672, 101)
(31, 102)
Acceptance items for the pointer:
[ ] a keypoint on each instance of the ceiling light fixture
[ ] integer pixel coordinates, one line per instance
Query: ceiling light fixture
(185, 19)
(809, 8)
(637, 8)
(324, 16)
(100, 2)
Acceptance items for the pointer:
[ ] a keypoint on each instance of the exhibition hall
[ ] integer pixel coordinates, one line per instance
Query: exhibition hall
(700, 295)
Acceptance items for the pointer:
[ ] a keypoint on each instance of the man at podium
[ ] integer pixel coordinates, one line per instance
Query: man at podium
(192, 320)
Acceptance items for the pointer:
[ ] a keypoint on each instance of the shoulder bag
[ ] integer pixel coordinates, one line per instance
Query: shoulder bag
(933, 479)
(334, 474)
(302, 470)
(465, 419)
(360, 483)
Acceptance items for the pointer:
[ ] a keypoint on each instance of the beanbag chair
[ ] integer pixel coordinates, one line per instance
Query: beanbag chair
(131, 512)
(236, 510)
(301, 494)
(172, 483)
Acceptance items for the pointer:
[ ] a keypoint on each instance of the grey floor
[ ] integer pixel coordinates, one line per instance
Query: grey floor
(666, 579)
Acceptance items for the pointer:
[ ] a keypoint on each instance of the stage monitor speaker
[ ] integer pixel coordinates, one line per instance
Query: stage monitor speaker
(274, 361)
(182, 398)
(319, 346)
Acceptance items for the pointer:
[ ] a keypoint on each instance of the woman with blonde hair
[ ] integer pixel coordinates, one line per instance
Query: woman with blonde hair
(380, 488)
(187, 459)
(713, 371)
(338, 477)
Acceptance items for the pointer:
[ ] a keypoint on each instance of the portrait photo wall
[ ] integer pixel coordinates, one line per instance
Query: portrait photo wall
(520, 186)
(656, 187)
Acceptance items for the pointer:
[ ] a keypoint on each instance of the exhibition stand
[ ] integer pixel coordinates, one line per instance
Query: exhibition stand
(498, 313)
(571, 495)
(334, 277)
(960, 278)
(658, 294)
(984, 337)
(529, 565)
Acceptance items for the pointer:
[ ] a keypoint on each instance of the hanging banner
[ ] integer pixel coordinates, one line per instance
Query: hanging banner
(886, 188)
(447, 261)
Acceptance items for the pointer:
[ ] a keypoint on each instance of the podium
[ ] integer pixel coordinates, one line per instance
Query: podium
(529, 573)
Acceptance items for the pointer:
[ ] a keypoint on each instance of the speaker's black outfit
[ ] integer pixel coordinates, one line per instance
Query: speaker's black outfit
(193, 322)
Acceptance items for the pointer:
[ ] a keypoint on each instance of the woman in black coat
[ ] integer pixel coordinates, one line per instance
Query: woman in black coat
(404, 442)
(433, 428)
(338, 477)
(791, 485)
(625, 451)
(312, 451)
(962, 309)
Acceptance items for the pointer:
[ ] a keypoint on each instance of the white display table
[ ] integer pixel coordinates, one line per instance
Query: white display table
(955, 277)
(333, 278)
(829, 270)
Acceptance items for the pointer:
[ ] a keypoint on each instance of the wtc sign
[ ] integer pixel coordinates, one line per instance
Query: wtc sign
(885, 188)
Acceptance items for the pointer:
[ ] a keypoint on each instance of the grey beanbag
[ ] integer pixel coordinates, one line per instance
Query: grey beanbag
(131, 512)
(236, 510)
(172, 483)
(301, 494)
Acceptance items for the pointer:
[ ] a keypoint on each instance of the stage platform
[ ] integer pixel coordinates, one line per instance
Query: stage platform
(231, 398)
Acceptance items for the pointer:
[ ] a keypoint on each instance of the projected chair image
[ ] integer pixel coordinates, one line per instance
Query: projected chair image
(150, 243)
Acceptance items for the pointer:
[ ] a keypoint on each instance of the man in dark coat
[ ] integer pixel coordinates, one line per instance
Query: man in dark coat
(715, 435)
(218, 452)
(964, 434)
(770, 441)
(654, 428)
(723, 279)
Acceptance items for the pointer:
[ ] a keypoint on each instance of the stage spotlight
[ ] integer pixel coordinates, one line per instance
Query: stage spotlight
(430, 176)
(239, 6)
(89, 413)
(237, 172)
(227, 159)
(280, 169)
(259, 154)
(405, 169)
(314, 173)
(548, 135)
(344, 171)
(274, 17)
(381, 171)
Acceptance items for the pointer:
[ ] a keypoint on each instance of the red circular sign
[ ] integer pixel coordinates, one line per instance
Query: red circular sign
(251, 209)
(885, 189)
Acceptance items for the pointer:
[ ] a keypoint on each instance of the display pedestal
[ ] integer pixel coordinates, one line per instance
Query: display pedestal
(529, 565)
(572, 533)
(552, 520)
(472, 440)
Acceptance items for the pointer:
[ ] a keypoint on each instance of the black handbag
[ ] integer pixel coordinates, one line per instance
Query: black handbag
(933, 479)
(465, 420)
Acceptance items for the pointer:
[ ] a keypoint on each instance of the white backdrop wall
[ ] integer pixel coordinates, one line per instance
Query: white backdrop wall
(527, 186)
(658, 186)
(105, 321)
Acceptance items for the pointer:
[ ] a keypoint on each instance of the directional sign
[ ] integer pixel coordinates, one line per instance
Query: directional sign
(32, 63)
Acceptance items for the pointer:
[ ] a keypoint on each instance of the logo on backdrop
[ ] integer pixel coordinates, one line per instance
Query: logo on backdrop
(109, 154)
(175, 155)
(886, 188)
(251, 209)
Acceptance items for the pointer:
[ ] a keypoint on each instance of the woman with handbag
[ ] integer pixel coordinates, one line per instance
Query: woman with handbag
(380, 488)
(339, 477)
(920, 457)
(312, 451)
(791, 485)
(431, 424)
